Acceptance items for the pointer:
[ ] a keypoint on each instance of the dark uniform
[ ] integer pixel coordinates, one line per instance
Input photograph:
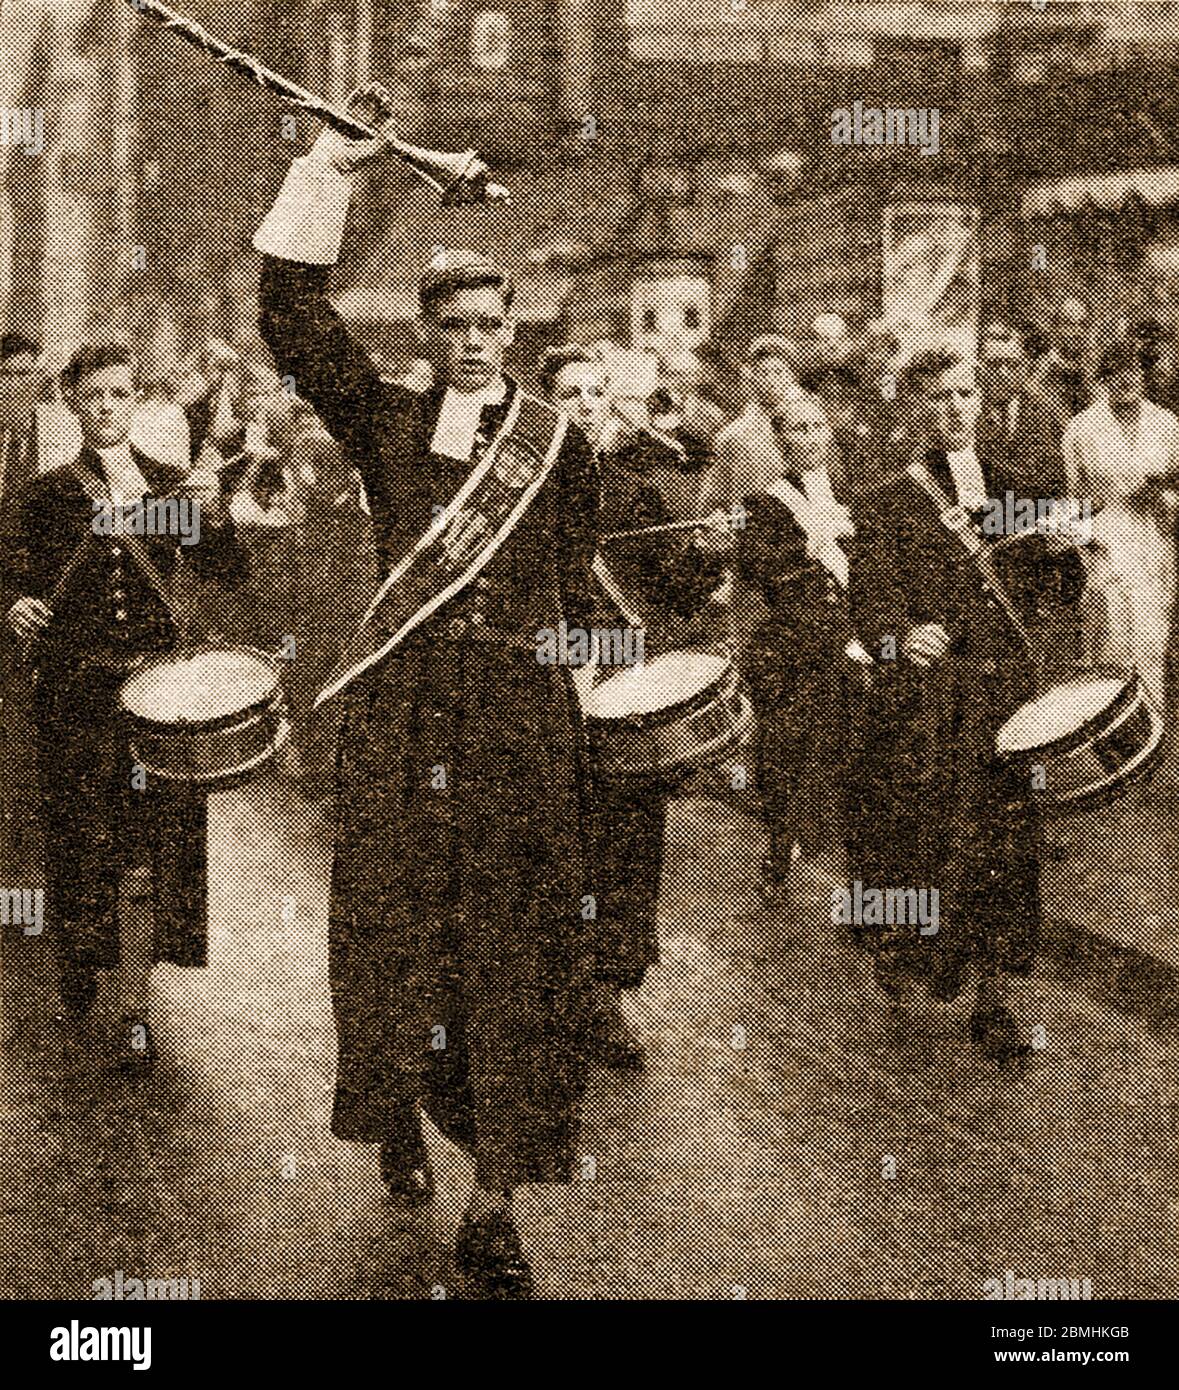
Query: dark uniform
(931, 791)
(667, 580)
(803, 686)
(96, 826)
(459, 869)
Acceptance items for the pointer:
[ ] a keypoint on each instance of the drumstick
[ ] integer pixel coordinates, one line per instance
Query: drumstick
(610, 585)
(696, 524)
(66, 575)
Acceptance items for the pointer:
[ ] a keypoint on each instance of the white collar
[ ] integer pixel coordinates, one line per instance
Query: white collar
(458, 419)
(967, 474)
(124, 478)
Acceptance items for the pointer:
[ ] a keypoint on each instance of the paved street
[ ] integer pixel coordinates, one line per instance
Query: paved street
(755, 1157)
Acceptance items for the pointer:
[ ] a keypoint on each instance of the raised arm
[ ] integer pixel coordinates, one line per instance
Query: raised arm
(311, 345)
(300, 240)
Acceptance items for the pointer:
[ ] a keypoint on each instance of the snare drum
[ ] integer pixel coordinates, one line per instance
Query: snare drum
(679, 712)
(208, 716)
(1084, 741)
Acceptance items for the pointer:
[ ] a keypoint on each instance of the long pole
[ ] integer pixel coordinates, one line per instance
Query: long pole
(469, 172)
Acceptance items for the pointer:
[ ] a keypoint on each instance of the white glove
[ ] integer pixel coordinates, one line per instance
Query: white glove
(371, 104)
(926, 644)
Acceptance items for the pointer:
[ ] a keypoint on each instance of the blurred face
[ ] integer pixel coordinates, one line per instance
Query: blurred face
(580, 391)
(466, 335)
(771, 382)
(1126, 387)
(805, 434)
(1004, 374)
(104, 402)
(947, 406)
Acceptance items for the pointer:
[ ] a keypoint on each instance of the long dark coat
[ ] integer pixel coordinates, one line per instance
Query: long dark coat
(932, 793)
(667, 581)
(801, 682)
(95, 824)
(459, 871)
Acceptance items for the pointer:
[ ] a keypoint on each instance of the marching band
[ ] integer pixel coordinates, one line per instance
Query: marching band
(499, 822)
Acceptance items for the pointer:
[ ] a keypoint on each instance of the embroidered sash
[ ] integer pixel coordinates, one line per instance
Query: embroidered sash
(461, 540)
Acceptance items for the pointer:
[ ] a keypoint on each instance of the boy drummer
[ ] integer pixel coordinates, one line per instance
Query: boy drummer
(85, 605)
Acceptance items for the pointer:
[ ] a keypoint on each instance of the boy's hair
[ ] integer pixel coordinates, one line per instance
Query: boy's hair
(18, 345)
(95, 357)
(1122, 355)
(923, 366)
(564, 355)
(464, 272)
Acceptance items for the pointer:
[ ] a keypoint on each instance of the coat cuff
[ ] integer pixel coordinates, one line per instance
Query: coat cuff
(306, 223)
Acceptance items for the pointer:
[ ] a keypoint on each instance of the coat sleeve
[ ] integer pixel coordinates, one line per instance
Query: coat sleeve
(878, 595)
(221, 555)
(300, 240)
(27, 567)
(577, 489)
(311, 345)
(768, 547)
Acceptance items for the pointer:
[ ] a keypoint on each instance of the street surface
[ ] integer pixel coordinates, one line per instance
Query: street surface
(791, 1139)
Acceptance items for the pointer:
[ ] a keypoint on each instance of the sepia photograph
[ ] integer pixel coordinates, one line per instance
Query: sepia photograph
(588, 667)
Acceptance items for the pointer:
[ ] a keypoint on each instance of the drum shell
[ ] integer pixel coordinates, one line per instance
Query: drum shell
(674, 741)
(217, 752)
(1095, 764)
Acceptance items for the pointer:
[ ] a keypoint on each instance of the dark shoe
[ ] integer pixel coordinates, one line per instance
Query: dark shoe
(996, 1035)
(491, 1260)
(410, 1184)
(611, 1041)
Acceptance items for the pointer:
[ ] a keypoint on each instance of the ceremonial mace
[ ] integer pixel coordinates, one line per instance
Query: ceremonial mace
(462, 179)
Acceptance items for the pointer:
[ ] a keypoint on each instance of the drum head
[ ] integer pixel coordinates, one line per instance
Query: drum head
(1060, 713)
(199, 687)
(675, 678)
